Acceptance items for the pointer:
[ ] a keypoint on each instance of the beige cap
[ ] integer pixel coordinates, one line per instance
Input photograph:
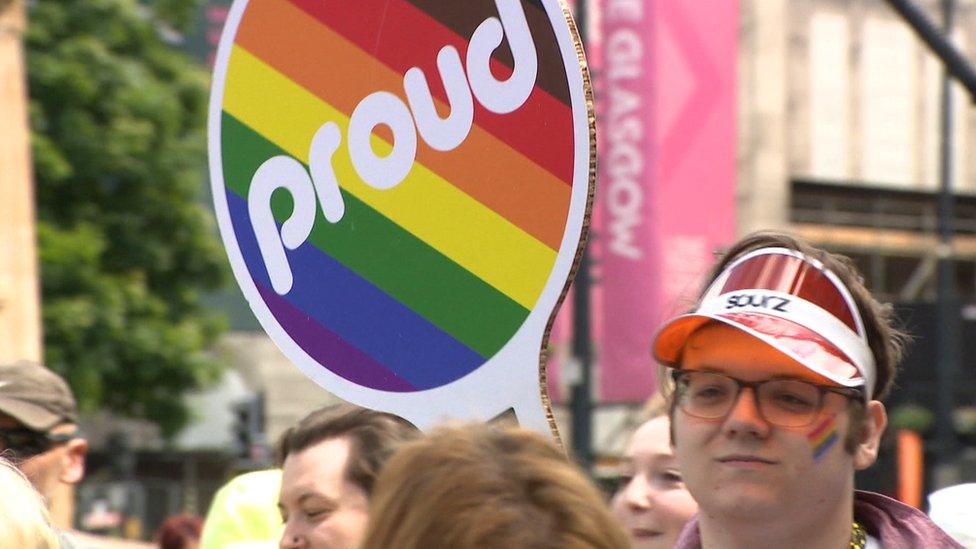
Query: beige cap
(35, 396)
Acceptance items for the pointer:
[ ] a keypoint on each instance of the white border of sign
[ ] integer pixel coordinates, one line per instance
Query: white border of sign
(510, 379)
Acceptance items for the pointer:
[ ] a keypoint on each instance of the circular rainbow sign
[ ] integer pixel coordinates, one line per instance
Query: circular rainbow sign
(402, 188)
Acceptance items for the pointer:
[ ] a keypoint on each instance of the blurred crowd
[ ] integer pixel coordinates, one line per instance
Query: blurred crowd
(771, 401)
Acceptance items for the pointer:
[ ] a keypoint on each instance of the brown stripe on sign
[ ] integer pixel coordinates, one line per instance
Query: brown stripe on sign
(463, 17)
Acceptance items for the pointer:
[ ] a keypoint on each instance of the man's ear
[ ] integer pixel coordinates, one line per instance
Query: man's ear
(73, 461)
(875, 421)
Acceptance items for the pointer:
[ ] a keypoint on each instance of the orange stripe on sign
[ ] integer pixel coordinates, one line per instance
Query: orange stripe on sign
(484, 167)
(464, 230)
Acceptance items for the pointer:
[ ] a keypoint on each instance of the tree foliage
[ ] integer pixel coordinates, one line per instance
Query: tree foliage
(126, 246)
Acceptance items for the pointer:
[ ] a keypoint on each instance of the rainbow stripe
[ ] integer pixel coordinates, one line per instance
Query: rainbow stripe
(823, 436)
(418, 285)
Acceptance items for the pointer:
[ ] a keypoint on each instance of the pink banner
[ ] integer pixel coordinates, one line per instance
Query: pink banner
(666, 187)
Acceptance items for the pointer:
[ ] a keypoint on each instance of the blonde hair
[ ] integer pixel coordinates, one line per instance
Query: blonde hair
(483, 487)
(24, 518)
(657, 404)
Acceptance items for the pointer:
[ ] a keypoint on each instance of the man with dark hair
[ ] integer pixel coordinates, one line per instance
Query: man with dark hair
(779, 371)
(329, 463)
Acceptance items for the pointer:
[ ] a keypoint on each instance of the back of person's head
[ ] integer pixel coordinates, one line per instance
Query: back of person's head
(180, 531)
(373, 437)
(485, 487)
(24, 519)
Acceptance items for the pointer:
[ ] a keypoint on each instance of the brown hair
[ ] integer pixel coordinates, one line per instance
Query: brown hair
(478, 486)
(179, 531)
(658, 404)
(373, 436)
(885, 339)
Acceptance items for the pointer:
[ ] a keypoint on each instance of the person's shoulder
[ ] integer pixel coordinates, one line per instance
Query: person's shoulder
(896, 524)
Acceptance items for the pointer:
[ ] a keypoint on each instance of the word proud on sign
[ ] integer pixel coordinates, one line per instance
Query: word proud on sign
(401, 186)
(386, 108)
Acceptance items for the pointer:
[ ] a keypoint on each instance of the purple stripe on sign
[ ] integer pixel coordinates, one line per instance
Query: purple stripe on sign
(325, 347)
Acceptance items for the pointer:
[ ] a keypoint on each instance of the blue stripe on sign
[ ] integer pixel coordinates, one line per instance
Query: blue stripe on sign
(325, 347)
(359, 312)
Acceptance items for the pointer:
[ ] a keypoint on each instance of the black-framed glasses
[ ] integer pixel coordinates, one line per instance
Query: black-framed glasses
(782, 402)
(20, 443)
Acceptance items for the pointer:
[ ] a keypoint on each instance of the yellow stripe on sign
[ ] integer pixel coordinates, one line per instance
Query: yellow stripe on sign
(447, 219)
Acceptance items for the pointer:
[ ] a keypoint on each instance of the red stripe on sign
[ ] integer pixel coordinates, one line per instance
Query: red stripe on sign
(464, 17)
(402, 36)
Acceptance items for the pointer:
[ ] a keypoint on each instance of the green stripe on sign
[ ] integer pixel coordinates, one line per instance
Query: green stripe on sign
(392, 259)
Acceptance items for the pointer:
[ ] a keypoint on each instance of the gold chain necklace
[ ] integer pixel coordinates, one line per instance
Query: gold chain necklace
(859, 537)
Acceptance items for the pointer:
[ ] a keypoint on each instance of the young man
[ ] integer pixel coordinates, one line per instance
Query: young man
(779, 374)
(329, 462)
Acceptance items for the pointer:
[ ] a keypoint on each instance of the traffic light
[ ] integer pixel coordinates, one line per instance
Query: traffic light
(250, 442)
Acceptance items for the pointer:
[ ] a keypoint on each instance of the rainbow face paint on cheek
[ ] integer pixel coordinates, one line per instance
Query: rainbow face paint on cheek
(823, 436)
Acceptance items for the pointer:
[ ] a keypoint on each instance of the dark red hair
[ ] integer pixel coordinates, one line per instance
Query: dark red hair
(177, 530)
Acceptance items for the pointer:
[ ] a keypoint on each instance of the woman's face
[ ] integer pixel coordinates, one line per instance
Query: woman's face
(652, 501)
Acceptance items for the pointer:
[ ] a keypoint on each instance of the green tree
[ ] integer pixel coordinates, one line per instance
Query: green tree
(126, 245)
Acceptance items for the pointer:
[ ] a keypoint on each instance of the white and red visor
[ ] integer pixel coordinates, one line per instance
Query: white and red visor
(789, 301)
